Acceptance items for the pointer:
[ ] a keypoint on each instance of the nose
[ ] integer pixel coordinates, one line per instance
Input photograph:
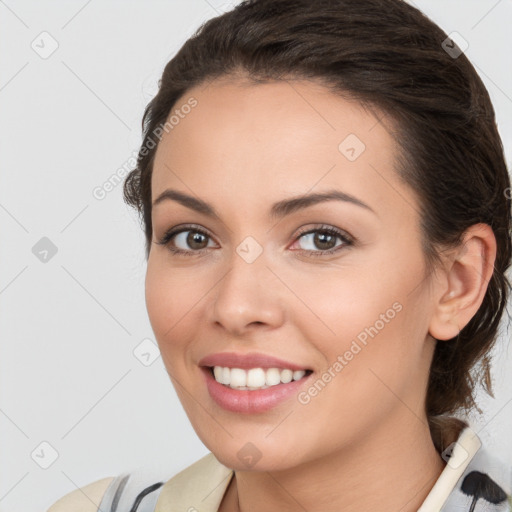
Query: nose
(249, 296)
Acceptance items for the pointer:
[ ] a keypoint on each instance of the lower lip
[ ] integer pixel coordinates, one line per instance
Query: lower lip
(247, 401)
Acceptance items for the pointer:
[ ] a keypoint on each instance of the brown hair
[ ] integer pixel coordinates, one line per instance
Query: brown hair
(388, 55)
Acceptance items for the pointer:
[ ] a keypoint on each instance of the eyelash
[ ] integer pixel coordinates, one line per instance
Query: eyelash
(347, 241)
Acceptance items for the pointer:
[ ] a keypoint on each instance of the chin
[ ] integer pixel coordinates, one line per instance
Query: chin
(247, 456)
(263, 464)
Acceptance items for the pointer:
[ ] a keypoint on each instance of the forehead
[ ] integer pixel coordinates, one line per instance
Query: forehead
(270, 140)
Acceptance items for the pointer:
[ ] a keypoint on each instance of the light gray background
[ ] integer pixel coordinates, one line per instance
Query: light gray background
(68, 374)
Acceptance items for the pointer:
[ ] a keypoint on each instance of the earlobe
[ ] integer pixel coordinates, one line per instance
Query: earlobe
(467, 274)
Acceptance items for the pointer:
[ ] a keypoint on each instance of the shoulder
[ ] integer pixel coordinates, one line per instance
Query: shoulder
(149, 489)
(84, 499)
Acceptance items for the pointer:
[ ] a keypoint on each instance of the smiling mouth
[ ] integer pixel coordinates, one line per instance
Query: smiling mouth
(255, 378)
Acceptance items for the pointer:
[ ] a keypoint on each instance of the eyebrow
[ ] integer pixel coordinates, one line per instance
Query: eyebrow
(278, 210)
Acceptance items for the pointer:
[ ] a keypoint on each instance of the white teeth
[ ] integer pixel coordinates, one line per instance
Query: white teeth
(217, 373)
(238, 377)
(255, 378)
(297, 374)
(287, 376)
(273, 377)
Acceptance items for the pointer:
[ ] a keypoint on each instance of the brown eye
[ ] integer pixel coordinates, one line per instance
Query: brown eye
(187, 240)
(194, 239)
(323, 241)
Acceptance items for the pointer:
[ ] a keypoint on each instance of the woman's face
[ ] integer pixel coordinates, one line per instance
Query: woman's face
(258, 282)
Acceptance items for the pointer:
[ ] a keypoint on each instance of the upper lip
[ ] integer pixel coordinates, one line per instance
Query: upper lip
(247, 361)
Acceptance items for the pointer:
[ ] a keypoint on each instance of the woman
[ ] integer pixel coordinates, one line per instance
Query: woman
(327, 216)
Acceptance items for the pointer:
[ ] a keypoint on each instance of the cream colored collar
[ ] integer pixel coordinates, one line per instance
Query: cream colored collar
(463, 450)
(200, 487)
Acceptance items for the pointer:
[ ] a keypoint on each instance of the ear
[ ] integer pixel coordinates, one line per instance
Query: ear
(461, 291)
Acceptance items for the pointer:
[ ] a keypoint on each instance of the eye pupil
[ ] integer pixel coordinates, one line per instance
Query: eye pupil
(195, 237)
(320, 239)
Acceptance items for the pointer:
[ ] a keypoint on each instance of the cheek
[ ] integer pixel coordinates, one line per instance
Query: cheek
(339, 303)
(376, 353)
(170, 298)
(175, 300)
(369, 370)
(365, 314)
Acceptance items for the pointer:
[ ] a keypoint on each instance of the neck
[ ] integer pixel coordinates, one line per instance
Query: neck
(362, 476)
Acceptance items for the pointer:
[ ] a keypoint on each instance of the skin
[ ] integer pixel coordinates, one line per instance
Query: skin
(242, 148)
